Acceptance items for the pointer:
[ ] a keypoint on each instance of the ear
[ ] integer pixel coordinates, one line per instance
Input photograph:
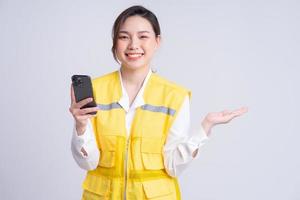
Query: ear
(158, 41)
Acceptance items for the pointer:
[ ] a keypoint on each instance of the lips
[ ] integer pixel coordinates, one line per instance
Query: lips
(134, 55)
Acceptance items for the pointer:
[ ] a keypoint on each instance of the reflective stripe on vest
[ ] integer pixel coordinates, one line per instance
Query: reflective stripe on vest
(162, 109)
(149, 107)
(109, 106)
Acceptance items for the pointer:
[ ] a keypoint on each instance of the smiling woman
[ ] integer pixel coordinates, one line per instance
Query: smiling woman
(135, 27)
(137, 43)
(137, 144)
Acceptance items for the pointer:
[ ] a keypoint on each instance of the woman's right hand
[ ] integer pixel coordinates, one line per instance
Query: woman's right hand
(81, 116)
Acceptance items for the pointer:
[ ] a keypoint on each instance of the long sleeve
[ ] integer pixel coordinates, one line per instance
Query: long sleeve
(179, 147)
(87, 142)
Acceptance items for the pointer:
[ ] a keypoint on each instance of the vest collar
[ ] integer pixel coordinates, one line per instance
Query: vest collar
(139, 100)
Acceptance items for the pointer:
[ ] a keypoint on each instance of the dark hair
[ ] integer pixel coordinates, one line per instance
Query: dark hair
(133, 11)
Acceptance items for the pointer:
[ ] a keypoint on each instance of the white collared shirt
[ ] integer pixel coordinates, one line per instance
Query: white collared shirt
(178, 148)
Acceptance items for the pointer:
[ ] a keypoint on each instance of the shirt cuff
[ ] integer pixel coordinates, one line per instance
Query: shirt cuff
(198, 139)
(81, 140)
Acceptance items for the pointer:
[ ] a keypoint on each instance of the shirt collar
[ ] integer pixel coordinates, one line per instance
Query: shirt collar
(139, 99)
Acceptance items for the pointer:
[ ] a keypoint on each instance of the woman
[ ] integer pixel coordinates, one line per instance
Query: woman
(136, 145)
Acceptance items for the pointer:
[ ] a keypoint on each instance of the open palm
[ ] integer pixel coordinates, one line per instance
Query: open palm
(225, 116)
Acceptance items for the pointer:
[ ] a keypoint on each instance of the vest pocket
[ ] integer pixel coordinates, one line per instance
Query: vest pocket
(108, 142)
(108, 150)
(99, 185)
(159, 189)
(151, 152)
(107, 159)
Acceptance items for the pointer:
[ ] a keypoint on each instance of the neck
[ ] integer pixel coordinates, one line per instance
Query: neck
(134, 77)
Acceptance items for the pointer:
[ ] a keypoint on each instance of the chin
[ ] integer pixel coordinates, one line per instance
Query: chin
(134, 66)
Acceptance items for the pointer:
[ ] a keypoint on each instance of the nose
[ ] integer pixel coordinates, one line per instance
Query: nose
(134, 43)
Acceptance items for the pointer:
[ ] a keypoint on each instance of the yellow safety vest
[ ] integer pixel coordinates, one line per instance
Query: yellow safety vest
(132, 167)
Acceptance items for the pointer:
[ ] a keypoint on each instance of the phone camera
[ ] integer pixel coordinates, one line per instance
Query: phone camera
(77, 81)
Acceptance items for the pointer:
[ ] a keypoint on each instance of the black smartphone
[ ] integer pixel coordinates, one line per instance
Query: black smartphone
(83, 89)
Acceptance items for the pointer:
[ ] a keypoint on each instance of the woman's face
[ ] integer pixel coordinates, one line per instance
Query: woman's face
(136, 43)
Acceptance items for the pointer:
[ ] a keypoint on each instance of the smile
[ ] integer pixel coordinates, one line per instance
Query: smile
(134, 55)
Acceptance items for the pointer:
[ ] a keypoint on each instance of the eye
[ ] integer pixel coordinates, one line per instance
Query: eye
(123, 37)
(144, 36)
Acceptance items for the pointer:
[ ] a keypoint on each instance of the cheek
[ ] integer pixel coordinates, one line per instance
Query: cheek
(120, 49)
(121, 45)
(151, 44)
(151, 47)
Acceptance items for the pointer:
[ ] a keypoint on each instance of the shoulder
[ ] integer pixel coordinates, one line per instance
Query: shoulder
(105, 78)
(169, 85)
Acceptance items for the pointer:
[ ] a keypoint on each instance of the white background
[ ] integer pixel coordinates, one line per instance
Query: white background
(229, 53)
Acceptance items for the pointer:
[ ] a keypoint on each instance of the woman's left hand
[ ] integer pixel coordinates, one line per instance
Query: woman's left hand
(222, 117)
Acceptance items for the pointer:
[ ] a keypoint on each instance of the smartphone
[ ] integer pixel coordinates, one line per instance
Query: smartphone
(83, 89)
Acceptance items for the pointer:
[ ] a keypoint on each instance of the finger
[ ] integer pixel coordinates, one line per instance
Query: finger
(240, 111)
(88, 110)
(91, 115)
(226, 112)
(73, 100)
(233, 115)
(244, 109)
(83, 102)
(84, 117)
(79, 112)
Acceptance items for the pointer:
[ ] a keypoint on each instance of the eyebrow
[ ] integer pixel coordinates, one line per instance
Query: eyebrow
(138, 32)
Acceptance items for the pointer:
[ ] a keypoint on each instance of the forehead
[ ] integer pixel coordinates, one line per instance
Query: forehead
(136, 24)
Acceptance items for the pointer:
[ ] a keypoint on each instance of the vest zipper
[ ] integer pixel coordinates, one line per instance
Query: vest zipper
(125, 167)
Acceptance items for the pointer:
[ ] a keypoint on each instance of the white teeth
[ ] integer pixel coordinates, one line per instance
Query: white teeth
(134, 55)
